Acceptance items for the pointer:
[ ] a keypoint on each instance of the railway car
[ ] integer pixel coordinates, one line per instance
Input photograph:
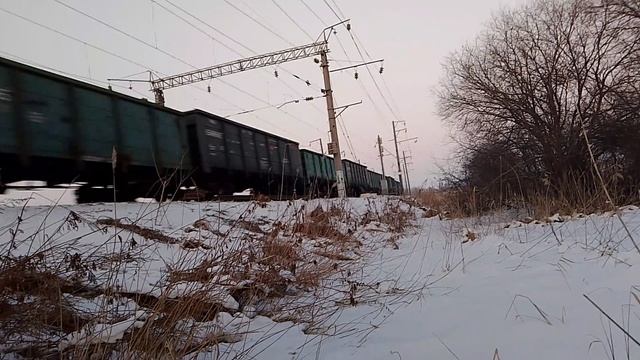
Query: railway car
(59, 130)
(229, 157)
(375, 182)
(319, 174)
(393, 186)
(355, 177)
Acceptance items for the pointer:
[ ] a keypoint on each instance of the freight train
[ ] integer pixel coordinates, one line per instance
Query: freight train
(59, 130)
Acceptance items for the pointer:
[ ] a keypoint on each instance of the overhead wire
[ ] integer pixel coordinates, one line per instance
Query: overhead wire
(172, 56)
(356, 40)
(345, 134)
(338, 7)
(314, 13)
(111, 53)
(259, 23)
(70, 74)
(343, 129)
(355, 43)
(333, 11)
(380, 115)
(207, 24)
(239, 54)
(292, 19)
(307, 82)
(74, 38)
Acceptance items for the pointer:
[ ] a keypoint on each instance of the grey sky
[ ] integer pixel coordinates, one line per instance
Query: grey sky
(413, 37)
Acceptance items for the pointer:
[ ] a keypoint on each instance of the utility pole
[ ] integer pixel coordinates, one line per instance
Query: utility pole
(383, 182)
(406, 172)
(334, 146)
(395, 140)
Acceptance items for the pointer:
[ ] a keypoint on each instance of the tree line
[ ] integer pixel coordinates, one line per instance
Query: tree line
(546, 100)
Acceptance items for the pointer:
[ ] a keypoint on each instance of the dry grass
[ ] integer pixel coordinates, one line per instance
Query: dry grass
(285, 269)
(570, 199)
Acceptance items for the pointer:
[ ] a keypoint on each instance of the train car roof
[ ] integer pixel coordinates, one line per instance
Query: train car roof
(347, 160)
(82, 84)
(315, 152)
(355, 163)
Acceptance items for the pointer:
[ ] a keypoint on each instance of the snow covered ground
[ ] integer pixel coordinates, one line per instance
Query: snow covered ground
(488, 288)
(513, 293)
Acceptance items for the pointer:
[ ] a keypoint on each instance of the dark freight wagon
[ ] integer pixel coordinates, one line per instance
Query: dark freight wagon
(355, 177)
(319, 173)
(231, 157)
(59, 130)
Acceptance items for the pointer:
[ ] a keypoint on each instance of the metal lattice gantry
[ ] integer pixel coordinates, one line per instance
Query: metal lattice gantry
(277, 57)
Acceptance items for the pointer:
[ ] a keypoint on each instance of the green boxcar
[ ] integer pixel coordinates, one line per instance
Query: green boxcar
(56, 129)
(98, 125)
(8, 135)
(47, 116)
(172, 149)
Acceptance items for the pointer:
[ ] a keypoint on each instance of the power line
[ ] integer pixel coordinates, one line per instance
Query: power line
(314, 13)
(355, 43)
(115, 55)
(236, 52)
(338, 7)
(259, 23)
(344, 50)
(292, 19)
(122, 32)
(373, 103)
(74, 38)
(345, 133)
(166, 53)
(253, 52)
(70, 74)
(333, 11)
(374, 80)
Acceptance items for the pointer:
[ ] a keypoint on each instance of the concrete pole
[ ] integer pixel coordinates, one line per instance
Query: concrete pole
(406, 172)
(395, 140)
(335, 144)
(383, 182)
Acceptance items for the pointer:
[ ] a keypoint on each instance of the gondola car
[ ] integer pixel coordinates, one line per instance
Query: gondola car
(59, 130)
(229, 157)
(319, 174)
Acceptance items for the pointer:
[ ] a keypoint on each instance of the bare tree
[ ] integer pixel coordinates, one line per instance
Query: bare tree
(538, 79)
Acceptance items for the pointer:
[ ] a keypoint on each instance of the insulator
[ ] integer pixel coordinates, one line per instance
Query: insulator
(315, 60)
(381, 69)
(308, 98)
(209, 88)
(307, 82)
(348, 26)
(130, 87)
(335, 32)
(356, 75)
(110, 88)
(275, 73)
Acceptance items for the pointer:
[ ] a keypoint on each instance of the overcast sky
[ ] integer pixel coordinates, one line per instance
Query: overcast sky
(412, 36)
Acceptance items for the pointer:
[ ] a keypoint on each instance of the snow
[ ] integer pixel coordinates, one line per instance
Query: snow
(443, 289)
(245, 192)
(103, 333)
